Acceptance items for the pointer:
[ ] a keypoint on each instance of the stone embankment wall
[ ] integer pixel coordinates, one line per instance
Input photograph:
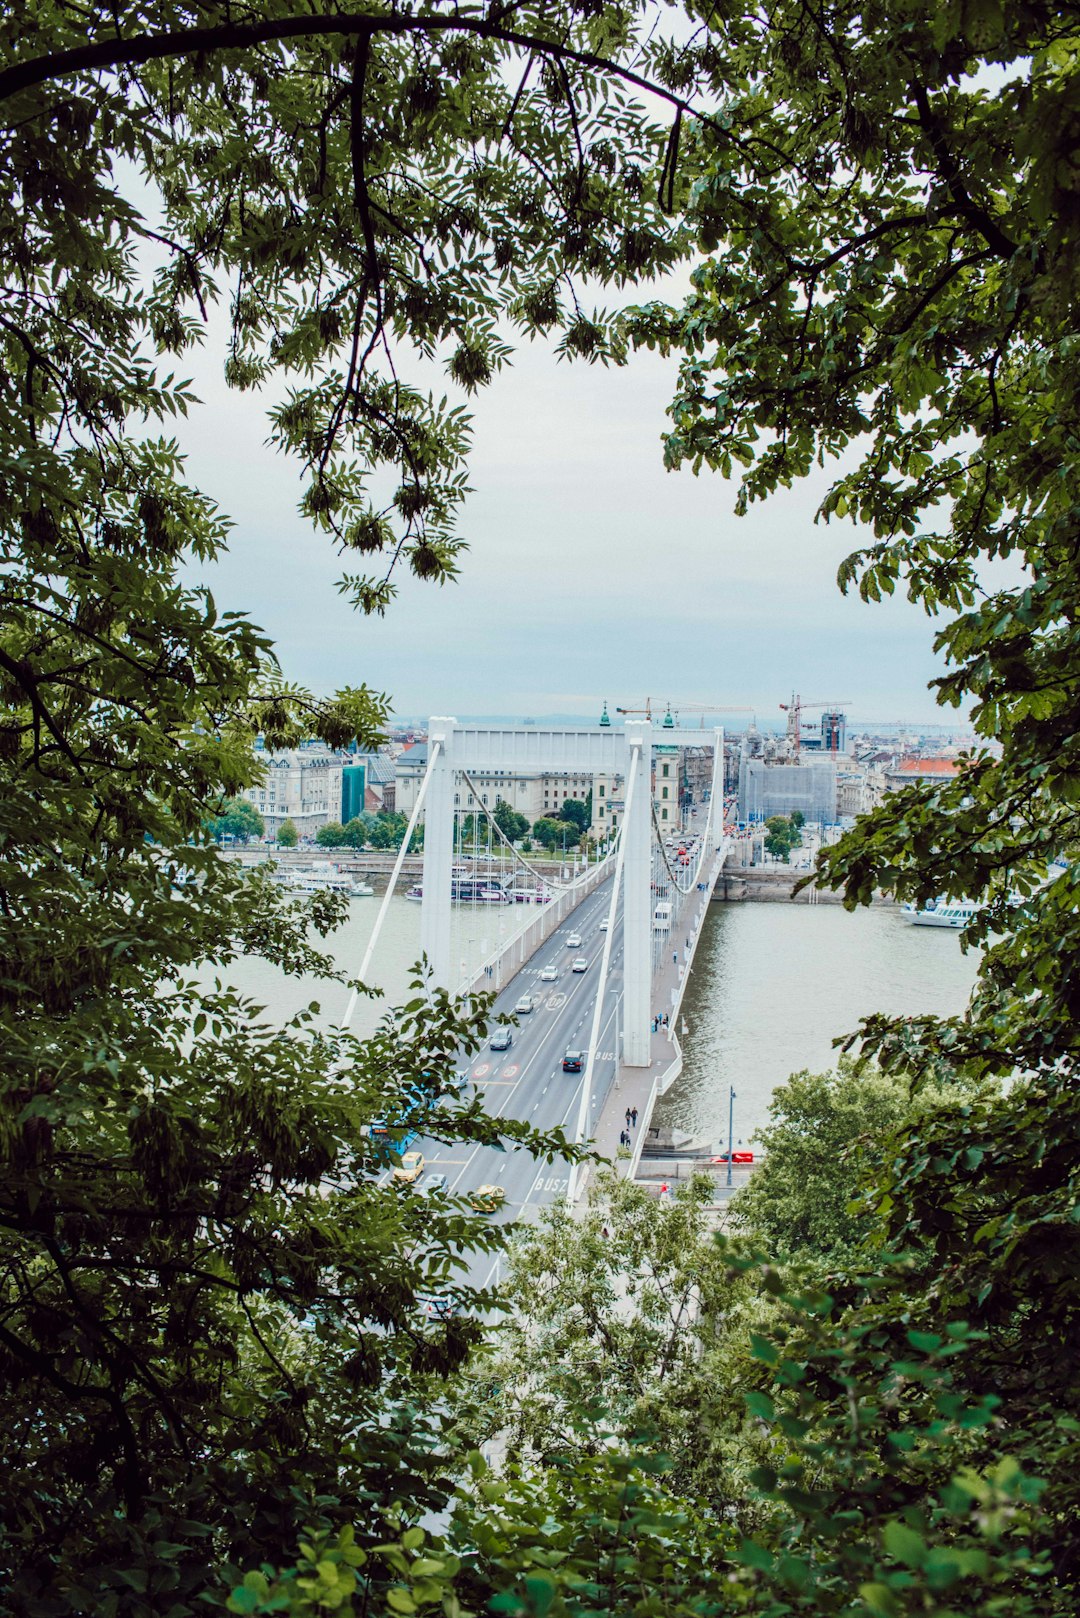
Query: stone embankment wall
(366, 865)
(772, 884)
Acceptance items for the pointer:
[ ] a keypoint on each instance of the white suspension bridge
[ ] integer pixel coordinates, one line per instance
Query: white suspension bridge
(608, 940)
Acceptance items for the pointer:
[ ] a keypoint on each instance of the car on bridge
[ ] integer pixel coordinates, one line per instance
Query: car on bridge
(550, 974)
(412, 1166)
(501, 1039)
(573, 940)
(526, 1004)
(573, 1062)
(434, 1182)
(604, 925)
(487, 1199)
(580, 963)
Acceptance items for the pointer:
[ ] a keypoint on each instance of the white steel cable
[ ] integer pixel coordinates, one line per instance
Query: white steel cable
(545, 881)
(391, 885)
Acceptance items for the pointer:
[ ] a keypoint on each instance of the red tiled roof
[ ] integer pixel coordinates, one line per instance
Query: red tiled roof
(926, 766)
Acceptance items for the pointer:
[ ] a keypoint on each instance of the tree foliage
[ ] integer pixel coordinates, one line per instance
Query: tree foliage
(238, 818)
(784, 834)
(207, 1321)
(287, 835)
(332, 835)
(576, 812)
(512, 825)
(829, 1141)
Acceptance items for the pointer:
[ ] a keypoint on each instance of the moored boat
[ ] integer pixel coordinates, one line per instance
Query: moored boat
(952, 913)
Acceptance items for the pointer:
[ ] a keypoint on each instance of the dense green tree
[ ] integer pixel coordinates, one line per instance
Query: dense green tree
(782, 835)
(207, 1309)
(551, 833)
(238, 818)
(624, 1317)
(356, 832)
(512, 825)
(576, 813)
(288, 836)
(332, 835)
(829, 1138)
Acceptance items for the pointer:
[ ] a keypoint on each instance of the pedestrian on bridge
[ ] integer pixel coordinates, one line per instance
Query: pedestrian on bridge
(628, 1117)
(633, 1117)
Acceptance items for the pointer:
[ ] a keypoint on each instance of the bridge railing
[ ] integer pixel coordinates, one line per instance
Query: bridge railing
(502, 963)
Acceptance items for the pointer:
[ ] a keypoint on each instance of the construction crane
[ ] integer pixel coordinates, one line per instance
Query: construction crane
(704, 708)
(647, 710)
(794, 711)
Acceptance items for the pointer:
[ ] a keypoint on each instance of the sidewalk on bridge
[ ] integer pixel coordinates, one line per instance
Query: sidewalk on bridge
(639, 1086)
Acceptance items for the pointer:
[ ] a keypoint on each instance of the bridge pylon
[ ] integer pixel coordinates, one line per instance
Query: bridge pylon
(637, 899)
(435, 912)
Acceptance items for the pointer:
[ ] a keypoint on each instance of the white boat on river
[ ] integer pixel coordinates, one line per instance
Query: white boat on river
(953, 913)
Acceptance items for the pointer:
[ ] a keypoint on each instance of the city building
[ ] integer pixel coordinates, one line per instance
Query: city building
(525, 794)
(902, 772)
(767, 789)
(302, 784)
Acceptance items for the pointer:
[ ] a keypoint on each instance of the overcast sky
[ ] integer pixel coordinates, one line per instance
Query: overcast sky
(593, 574)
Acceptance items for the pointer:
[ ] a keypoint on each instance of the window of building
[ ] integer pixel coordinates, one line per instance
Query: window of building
(663, 814)
(667, 768)
(457, 798)
(601, 791)
(664, 793)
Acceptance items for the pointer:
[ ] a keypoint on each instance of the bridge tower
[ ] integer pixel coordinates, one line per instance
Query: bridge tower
(435, 912)
(637, 899)
(599, 750)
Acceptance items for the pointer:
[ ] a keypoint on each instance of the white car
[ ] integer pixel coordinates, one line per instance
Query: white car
(525, 1005)
(550, 974)
(579, 964)
(573, 941)
(603, 925)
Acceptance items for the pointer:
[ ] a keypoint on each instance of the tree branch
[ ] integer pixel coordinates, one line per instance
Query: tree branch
(110, 53)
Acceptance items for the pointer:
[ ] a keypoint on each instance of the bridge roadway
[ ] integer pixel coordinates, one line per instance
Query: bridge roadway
(527, 1081)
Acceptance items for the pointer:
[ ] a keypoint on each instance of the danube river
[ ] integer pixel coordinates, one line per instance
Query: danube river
(772, 986)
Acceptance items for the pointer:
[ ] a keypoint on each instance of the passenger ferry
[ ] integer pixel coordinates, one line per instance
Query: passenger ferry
(323, 881)
(941, 913)
(467, 890)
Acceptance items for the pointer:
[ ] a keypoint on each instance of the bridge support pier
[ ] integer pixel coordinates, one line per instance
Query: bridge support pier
(637, 902)
(439, 853)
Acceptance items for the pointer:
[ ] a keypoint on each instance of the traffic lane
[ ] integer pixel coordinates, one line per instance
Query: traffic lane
(529, 1185)
(516, 1087)
(516, 1084)
(551, 1098)
(527, 1182)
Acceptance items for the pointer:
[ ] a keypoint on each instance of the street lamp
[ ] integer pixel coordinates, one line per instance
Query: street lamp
(730, 1131)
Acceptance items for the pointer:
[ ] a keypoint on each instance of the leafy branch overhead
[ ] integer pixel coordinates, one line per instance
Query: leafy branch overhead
(361, 189)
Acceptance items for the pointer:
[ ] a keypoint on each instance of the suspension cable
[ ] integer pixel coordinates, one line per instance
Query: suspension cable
(546, 881)
(392, 884)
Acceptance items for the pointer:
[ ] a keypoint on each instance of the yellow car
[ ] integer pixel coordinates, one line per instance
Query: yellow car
(487, 1198)
(412, 1166)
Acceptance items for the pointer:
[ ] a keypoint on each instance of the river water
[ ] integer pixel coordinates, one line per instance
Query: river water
(772, 986)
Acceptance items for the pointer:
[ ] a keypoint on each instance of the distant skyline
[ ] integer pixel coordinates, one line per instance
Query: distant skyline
(593, 574)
